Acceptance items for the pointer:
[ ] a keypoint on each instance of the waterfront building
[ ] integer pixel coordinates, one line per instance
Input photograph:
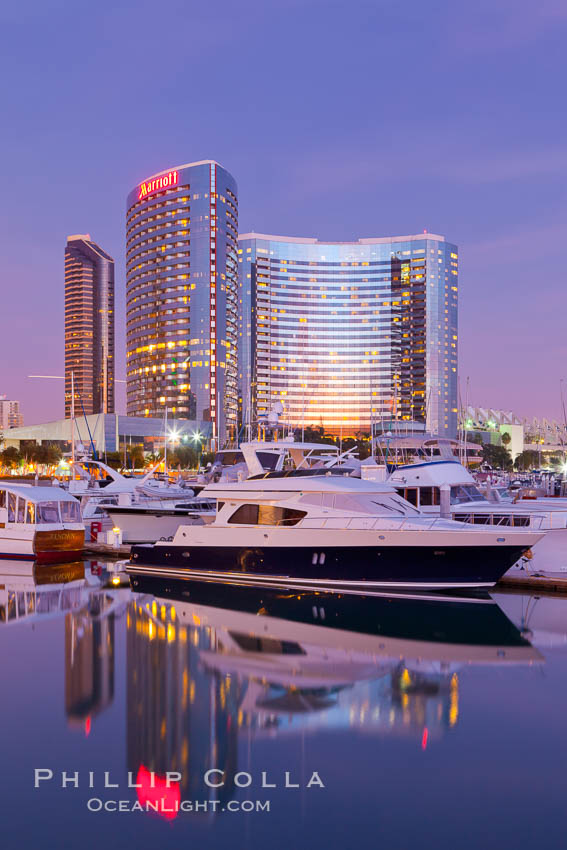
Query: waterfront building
(181, 291)
(10, 416)
(89, 326)
(345, 334)
(111, 432)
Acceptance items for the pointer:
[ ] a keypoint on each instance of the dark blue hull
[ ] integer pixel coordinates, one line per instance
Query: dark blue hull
(335, 568)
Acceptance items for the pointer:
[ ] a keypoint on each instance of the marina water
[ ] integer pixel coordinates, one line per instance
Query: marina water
(397, 721)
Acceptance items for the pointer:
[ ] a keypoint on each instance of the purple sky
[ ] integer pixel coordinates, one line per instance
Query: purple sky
(337, 119)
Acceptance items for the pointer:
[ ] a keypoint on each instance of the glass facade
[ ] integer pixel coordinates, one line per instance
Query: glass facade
(181, 290)
(345, 334)
(89, 326)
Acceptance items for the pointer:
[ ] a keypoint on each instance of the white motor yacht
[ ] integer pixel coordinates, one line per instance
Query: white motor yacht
(322, 528)
(146, 523)
(39, 523)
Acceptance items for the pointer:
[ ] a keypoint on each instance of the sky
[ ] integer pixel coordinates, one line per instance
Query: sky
(338, 120)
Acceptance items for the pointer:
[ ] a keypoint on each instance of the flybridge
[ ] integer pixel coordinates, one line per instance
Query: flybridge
(149, 186)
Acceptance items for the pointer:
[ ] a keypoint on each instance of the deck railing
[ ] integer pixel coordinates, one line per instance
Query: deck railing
(393, 524)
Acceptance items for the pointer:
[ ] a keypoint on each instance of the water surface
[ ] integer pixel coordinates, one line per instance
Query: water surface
(431, 723)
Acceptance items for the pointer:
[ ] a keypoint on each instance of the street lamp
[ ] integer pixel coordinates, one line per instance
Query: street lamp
(173, 437)
(196, 437)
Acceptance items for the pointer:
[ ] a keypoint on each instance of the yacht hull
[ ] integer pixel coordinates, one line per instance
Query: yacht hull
(354, 568)
(44, 547)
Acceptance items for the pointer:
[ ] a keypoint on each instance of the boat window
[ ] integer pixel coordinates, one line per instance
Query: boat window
(2, 498)
(12, 507)
(466, 493)
(251, 643)
(405, 505)
(311, 499)
(352, 503)
(30, 513)
(499, 519)
(70, 511)
(409, 494)
(521, 520)
(48, 512)
(429, 496)
(266, 515)
(246, 515)
(269, 460)
(388, 504)
(21, 509)
(229, 458)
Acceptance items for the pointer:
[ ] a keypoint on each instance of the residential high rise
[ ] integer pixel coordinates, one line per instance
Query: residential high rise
(181, 290)
(89, 326)
(10, 416)
(345, 333)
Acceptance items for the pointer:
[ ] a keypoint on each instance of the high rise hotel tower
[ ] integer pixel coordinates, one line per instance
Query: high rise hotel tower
(89, 326)
(181, 291)
(345, 334)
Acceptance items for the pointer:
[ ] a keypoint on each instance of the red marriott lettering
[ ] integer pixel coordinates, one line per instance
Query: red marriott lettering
(149, 186)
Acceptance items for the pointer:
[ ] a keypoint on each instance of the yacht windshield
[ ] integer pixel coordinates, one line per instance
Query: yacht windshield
(466, 493)
(47, 512)
(70, 511)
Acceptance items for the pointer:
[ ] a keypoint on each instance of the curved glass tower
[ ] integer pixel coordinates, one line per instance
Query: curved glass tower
(89, 326)
(181, 290)
(349, 334)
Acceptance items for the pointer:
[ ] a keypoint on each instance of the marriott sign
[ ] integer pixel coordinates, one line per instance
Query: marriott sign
(149, 186)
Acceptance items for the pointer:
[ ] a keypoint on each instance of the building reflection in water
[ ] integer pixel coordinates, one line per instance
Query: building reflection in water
(232, 660)
(89, 660)
(180, 717)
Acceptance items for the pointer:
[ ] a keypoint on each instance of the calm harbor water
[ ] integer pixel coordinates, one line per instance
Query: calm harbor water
(431, 722)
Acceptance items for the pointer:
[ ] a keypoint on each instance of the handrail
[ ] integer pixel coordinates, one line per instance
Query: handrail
(399, 524)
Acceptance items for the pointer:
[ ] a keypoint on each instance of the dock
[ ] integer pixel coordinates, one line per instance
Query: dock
(534, 582)
(108, 550)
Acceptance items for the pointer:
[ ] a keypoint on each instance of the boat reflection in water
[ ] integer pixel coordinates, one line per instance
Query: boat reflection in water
(208, 662)
(30, 591)
(86, 597)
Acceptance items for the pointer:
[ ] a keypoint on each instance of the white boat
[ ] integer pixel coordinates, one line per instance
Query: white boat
(148, 520)
(39, 523)
(94, 478)
(146, 523)
(323, 529)
(426, 485)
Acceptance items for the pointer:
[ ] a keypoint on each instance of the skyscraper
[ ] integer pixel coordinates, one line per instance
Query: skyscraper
(181, 290)
(345, 333)
(89, 326)
(10, 416)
